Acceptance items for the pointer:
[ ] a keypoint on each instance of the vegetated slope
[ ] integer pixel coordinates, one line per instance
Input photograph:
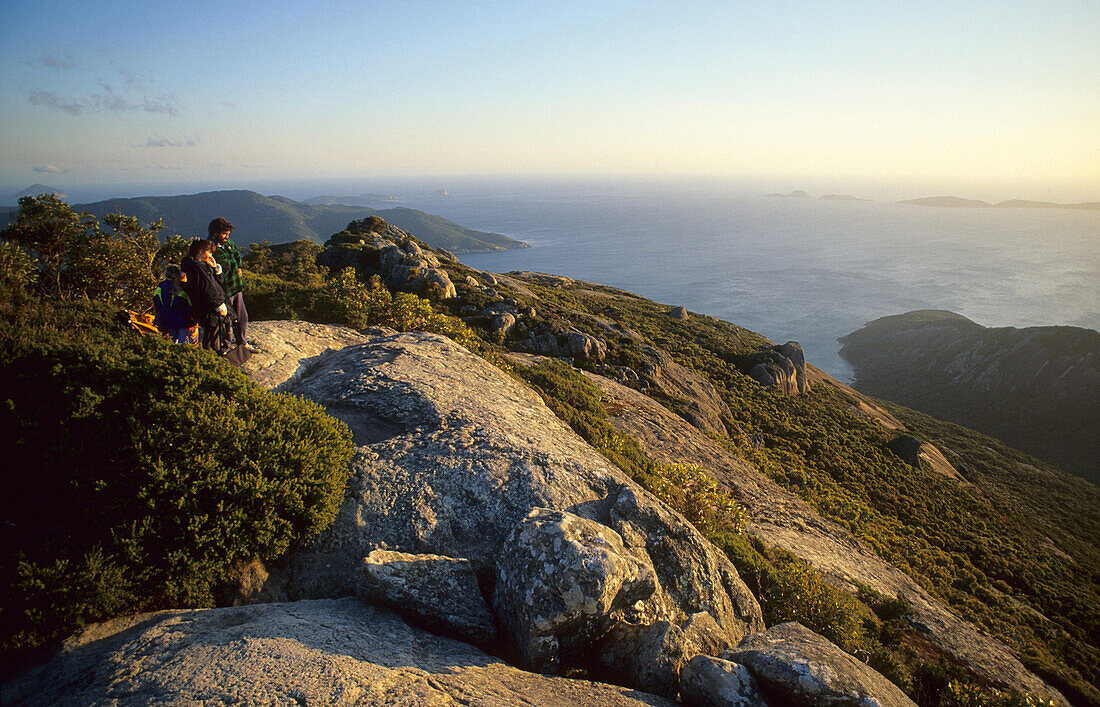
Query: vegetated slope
(975, 546)
(279, 219)
(1037, 388)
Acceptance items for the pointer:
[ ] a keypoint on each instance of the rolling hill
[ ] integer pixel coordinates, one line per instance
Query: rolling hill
(280, 220)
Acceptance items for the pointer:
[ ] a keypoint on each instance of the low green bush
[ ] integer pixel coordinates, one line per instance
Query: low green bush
(137, 471)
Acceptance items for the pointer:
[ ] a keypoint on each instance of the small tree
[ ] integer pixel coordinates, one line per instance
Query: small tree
(53, 232)
(117, 268)
(76, 259)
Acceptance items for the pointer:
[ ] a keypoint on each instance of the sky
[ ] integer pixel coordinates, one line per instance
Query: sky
(998, 100)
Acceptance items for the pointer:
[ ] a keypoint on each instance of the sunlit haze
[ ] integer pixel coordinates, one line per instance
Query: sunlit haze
(984, 100)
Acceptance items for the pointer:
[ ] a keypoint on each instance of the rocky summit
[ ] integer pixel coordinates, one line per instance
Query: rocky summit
(486, 554)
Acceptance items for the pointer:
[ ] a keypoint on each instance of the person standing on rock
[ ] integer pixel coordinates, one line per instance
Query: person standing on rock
(229, 257)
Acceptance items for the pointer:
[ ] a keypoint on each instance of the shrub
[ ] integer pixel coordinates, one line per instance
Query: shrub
(137, 471)
(75, 259)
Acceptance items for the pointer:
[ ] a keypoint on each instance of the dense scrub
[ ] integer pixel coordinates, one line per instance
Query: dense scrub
(136, 471)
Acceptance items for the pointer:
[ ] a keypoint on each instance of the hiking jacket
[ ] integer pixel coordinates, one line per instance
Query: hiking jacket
(203, 286)
(173, 311)
(229, 257)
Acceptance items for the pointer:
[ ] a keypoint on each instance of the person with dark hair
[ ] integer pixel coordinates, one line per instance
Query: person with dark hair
(173, 307)
(229, 257)
(204, 287)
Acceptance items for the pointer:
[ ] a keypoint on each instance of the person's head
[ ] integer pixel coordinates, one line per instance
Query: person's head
(202, 250)
(219, 230)
(173, 272)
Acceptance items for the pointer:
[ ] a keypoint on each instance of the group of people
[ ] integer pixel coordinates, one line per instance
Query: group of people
(201, 300)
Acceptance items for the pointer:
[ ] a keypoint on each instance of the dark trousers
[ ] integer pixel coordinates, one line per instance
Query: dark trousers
(240, 327)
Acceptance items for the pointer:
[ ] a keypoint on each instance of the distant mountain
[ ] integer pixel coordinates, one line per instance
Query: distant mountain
(958, 202)
(34, 190)
(279, 219)
(1036, 389)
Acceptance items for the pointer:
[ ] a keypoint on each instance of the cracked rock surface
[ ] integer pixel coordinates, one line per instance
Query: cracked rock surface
(323, 652)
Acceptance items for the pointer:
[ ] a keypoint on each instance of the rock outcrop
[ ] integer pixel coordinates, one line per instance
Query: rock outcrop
(322, 652)
(561, 581)
(782, 367)
(714, 682)
(690, 394)
(375, 247)
(568, 343)
(454, 453)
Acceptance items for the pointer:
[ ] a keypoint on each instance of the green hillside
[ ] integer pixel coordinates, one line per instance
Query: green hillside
(280, 220)
(1036, 388)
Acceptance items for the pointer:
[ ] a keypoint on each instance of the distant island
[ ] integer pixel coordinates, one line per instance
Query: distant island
(278, 219)
(960, 203)
(35, 190)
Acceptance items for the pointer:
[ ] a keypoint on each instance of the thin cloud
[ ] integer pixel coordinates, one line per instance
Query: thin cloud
(49, 99)
(168, 167)
(53, 61)
(133, 96)
(48, 169)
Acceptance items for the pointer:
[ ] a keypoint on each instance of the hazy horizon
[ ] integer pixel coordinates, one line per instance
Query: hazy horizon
(412, 187)
(879, 100)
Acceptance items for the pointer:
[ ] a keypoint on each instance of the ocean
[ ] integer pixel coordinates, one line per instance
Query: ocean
(792, 269)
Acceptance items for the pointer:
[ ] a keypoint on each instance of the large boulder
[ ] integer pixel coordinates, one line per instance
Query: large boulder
(794, 665)
(907, 448)
(561, 580)
(782, 367)
(324, 652)
(438, 593)
(454, 453)
(564, 344)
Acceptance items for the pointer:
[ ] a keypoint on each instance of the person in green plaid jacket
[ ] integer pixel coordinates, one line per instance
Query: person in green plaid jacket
(229, 257)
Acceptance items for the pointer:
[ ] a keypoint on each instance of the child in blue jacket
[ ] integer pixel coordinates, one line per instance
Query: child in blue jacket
(173, 307)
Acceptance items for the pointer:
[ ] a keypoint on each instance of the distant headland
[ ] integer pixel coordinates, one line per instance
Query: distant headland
(950, 202)
(960, 203)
